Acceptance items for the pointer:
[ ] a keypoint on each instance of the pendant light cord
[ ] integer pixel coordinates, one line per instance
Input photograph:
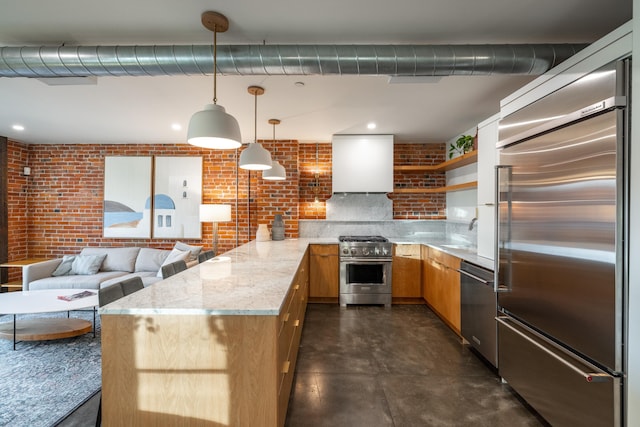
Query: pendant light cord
(255, 117)
(215, 62)
(275, 146)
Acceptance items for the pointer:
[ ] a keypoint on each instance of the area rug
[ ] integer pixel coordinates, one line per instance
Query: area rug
(43, 381)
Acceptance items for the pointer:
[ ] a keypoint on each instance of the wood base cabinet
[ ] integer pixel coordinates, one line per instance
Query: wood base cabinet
(324, 273)
(441, 285)
(406, 273)
(202, 370)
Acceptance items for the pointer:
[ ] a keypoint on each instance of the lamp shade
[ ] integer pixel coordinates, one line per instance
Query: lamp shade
(215, 213)
(276, 173)
(214, 128)
(255, 157)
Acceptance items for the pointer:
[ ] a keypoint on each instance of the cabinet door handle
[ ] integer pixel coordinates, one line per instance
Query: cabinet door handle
(296, 287)
(286, 317)
(285, 367)
(296, 323)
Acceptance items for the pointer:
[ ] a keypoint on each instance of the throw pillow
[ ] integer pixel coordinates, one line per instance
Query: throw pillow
(174, 255)
(64, 268)
(194, 250)
(87, 264)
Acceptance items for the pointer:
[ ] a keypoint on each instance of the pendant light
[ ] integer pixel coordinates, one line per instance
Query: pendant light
(213, 127)
(277, 171)
(255, 157)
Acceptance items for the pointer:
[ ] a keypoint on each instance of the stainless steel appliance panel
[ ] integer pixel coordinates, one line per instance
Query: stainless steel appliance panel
(365, 281)
(556, 384)
(478, 310)
(557, 233)
(588, 90)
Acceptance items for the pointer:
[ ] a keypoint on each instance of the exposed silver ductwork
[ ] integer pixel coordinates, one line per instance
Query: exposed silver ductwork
(391, 60)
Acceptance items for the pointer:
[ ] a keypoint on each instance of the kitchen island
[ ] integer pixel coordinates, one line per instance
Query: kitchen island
(213, 345)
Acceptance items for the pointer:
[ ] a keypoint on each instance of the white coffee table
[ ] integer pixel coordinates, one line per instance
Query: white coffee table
(46, 301)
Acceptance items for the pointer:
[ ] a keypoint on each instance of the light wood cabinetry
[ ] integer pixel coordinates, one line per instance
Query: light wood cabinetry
(200, 369)
(291, 320)
(464, 160)
(324, 273)
(441, 285)
(406, 273)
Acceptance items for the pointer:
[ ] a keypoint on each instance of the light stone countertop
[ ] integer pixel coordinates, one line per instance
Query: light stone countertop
(252, 279)
(466, 253)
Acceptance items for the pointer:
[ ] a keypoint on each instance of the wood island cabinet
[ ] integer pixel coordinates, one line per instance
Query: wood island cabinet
(406, 273)
(441, 285)
(192, 367)
(324, 273)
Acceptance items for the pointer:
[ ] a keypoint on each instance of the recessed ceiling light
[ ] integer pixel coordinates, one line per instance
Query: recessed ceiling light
(18, 127)
(299, 84)
(176, 126)
(371, 125)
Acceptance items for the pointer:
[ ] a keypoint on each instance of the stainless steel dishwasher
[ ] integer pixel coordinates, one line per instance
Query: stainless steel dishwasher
(478, 310)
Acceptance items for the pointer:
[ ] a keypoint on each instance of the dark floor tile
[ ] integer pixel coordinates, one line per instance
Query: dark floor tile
(454, 401)
(338, 400)
(85, 415)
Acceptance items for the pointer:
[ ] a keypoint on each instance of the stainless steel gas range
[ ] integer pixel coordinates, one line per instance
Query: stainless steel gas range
(365, 270)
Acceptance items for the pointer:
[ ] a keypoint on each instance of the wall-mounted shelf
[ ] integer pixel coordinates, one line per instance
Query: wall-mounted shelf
(448, 188)
(458, 162)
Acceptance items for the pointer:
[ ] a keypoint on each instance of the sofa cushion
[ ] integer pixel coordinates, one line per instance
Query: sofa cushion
(118, 259)
(64, 267)
(175, 255)
(87, 264)
(150, 259)
(148, 278)
(194, 250)
(74, 281)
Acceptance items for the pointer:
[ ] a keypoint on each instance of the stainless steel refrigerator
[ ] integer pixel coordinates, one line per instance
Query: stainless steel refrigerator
(561, 231)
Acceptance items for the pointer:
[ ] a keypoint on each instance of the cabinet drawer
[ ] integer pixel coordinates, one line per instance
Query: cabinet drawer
(444, 258)
(408, 251)
(286, 315)
(324, 250)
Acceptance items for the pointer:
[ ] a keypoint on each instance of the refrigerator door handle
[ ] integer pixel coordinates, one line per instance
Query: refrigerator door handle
(502, 276)
(590, 377)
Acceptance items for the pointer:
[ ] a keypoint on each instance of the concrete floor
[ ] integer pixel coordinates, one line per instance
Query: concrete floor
(374, 367)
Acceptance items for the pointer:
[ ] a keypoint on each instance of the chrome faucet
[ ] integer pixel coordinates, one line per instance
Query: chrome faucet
(473, 221)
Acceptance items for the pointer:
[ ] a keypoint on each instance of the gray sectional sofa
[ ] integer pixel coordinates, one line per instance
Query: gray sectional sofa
(96, 268)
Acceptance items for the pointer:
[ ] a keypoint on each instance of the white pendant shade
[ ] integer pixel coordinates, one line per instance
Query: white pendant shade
(255, 158)
(276, 173)
(214, 128)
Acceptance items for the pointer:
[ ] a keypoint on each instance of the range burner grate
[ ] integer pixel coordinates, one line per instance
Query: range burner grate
(375, 239)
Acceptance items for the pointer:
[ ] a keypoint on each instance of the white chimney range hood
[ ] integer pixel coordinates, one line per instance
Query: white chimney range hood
(362, 163)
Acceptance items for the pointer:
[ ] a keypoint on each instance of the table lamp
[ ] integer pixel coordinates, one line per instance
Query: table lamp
(215, 214)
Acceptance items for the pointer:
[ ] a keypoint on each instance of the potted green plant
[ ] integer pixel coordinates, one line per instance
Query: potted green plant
(463, 145)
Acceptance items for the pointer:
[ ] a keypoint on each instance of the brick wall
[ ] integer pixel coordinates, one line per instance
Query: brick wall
(17, 199)
(58, 209)
(309, 166)
(66, 196)
(418, 205)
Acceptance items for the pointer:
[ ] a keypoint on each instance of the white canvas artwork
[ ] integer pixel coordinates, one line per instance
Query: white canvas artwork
(177, 197)
(127, 191)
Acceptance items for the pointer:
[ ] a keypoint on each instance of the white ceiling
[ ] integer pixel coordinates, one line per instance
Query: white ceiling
(142, 109)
